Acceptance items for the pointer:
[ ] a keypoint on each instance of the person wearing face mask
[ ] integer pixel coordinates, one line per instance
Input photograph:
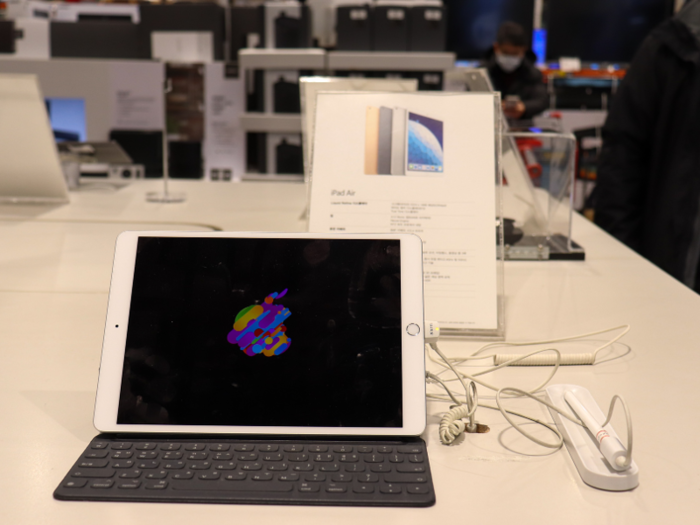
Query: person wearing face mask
(523, 92)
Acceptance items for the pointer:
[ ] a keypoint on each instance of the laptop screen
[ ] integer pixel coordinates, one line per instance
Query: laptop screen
(264, 332)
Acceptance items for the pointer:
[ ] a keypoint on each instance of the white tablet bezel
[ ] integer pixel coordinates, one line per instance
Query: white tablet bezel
(113, 348)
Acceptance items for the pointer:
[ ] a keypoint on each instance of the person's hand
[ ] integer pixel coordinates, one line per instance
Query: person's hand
(512, 109)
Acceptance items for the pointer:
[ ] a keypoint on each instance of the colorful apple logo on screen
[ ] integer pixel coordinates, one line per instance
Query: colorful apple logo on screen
(258, 328)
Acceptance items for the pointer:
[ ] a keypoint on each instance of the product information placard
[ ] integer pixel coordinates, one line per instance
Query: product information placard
(137, 104)
(416, 163)
(224, 139)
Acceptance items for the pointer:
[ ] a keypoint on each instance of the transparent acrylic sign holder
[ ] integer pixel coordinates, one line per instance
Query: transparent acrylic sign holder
(329, 171)
(538, 196)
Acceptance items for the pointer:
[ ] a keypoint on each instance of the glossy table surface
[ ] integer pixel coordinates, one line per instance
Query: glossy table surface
(55, 266)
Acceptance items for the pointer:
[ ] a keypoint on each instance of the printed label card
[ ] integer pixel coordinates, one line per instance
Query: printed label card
(418, 163)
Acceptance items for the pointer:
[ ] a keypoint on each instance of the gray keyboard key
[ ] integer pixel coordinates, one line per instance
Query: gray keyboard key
(130, 474)
(96, 454)
(367, 478)
(75, 483)
(271, 486)
(93, 463)
(342, 477)
(405, 478)
(102, 484)
(93, 473)
(390, 488)
(417, 489)
(156, 485)
(315, 477)
(411, 467)
(336, 488)
(291, 476)
(160, 474)
(129, 485)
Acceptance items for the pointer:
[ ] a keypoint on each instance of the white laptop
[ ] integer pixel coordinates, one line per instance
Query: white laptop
(30, 171)
(246, 362)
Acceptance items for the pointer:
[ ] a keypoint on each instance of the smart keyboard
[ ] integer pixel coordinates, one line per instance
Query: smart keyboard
(252, 471)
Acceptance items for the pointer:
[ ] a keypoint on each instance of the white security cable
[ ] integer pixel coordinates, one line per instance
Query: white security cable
(566, 359)
(451, 425)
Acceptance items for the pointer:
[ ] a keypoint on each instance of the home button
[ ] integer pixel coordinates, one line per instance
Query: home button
(413, 329)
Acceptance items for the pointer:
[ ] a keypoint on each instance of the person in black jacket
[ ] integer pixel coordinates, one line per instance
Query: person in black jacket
(648, 190)
(513, 74)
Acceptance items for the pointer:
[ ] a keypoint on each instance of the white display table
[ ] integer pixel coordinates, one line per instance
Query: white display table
(55, 267)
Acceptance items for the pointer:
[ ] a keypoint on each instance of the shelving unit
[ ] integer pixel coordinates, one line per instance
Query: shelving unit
(270, 123)
(326, 63)
(282, 59)
(389, 61)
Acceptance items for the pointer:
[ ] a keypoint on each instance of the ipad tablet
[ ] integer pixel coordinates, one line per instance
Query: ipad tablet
(249, 333)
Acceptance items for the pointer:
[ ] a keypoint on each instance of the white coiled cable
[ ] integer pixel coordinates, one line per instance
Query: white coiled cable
(451, 424)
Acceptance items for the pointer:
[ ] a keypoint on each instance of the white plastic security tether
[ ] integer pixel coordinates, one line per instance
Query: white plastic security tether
(594, 469)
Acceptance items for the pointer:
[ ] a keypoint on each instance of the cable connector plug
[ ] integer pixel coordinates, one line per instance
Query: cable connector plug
(432, 331)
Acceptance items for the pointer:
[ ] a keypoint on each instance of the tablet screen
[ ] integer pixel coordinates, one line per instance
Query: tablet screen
(264, 332)
(425, 144)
